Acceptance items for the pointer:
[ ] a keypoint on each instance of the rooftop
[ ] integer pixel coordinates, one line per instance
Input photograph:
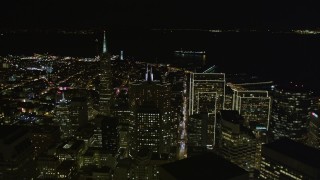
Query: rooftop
(125, 163)
(206, 166)
(231, 116)
(295, 150)
(148, 107)
(199, 116)
(66, 165)
(72, 145)
(10, 133)
(94, 169)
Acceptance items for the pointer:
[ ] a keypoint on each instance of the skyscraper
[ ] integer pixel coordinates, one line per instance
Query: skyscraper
(157, 93)
(149, 132)
(207, 95)
(121, 55)
(150, 90)
(207, 92)
(105, 80)
(146, 164)
(254, 106)
(238, 143)
(62, 117)
(78, 112)
(287, 159)
(110, 134)
(42, 137)
(290, 113)
(197, 131)
(314, 130)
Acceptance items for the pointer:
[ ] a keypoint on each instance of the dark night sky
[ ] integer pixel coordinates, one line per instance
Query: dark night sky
(159, 13)
(137, 15)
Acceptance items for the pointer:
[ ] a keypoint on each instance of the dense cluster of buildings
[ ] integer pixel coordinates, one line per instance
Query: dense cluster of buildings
(116, 119)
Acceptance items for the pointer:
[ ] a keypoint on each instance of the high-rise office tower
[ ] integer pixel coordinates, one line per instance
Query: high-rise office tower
(105, 80)
(290, 113)
(178, 103)
(207, 95)
(150, 90)
(44, 137)
(238, 143)
(207, 92)
(158, 93)
(94, 157)
(122, 112)
(78, 112)
(147, 164)
(314, 130)
(47, 166)
(287, 159)
(254, 106)
(110, 134)
(71, 150)
(197, 130)
(124, 139)
(97, 132)
(62, 117)
(149, 129)
(67, 170)
(253, 102)
(229, 98)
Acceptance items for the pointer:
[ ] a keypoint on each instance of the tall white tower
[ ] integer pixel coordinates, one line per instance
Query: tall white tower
(105, 80)
(121, 55)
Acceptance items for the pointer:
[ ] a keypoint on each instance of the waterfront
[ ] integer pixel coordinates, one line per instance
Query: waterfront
(272, 56)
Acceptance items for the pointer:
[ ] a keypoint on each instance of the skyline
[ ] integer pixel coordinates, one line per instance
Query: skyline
(159, 90)
(272, 56)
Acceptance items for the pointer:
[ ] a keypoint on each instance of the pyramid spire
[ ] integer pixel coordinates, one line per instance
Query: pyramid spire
(104, 51)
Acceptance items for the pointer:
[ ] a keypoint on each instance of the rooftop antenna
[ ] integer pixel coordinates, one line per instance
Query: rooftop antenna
(104, 50)
(146, 75)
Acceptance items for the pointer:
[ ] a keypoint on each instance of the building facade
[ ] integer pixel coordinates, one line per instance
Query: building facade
(314, 130)
(238, 143)
(254, 106)
(287, 159)
(150, 107)
(290, 113)
(105, 91)
(207, 95)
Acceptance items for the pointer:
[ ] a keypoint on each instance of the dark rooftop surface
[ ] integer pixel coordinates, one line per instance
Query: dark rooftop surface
(6, 130)
(72, 145)
(125, 163)
(205, 166)
(66, 165)
(148, 107)
(94, 169)
(231, 116)
(159, 156)
(144, 152)
(10, 133)
(199, 116)
(295, 150)
(44, 129)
